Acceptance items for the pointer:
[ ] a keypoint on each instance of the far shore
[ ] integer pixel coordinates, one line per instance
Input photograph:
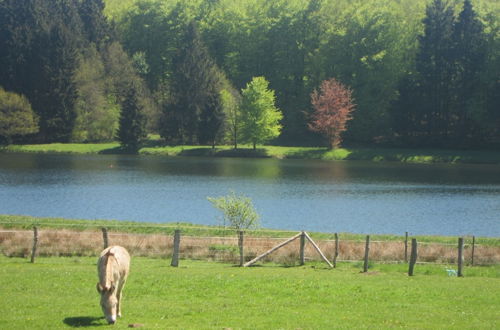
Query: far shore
(375, 154)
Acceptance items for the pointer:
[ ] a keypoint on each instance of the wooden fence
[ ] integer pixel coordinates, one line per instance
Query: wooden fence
(240, 248)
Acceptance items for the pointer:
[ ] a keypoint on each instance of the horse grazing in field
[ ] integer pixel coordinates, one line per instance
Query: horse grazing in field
(112, 267)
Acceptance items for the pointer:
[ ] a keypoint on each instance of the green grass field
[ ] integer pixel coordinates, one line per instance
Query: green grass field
(155, 147)
(58, 293)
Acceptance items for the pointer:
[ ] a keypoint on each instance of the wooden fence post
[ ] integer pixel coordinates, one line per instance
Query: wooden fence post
(302, 247)
(367, 251)
(177, 242)
(473, 248)
(240, 245)
(105, 237)
(460, 256)
(406, 247)
(35, 244)
(335, 256)
(413, 256)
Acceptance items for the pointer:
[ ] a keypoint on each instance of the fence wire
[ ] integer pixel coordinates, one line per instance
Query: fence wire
(66, 242)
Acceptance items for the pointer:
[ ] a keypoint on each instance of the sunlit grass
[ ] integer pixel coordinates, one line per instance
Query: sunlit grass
(59, 293)
(76, 148)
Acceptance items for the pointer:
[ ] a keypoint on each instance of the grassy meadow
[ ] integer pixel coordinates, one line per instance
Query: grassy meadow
(59, 293)
(154, 146)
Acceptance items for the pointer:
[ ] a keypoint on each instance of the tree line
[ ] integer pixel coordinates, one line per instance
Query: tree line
(421, 73)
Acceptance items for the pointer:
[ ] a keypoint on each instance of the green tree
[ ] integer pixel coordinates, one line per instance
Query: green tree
(195, 112)
(97, 113)
(238, 212)
(260, 118)
(16, 117)
(435, 67)
(366, 51)
(132, 130)
(39, 43)
(292, 41)
(120, 74)
(231, 100)
(56, 93)
(469, 54)
(94, 21)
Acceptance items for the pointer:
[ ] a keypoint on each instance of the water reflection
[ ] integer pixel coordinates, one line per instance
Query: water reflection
(290, 194)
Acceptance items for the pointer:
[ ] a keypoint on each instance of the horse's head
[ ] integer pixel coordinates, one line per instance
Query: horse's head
(109, 302)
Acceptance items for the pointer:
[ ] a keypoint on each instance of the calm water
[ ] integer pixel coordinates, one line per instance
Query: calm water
(354, 197)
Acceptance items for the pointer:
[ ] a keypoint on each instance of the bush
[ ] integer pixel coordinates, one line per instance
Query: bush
(16, 116)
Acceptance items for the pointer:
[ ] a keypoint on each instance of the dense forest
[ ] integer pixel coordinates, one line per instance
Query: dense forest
(422, 73)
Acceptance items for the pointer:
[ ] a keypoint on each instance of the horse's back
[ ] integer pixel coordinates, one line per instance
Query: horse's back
(120, 261)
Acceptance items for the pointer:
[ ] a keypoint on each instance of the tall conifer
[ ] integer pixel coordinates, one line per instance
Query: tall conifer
(435, 69)
(470, 56)
(195, 113)
(132, 130)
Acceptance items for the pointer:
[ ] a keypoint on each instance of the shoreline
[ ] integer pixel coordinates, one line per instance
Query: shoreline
(375, 154)
(26, 222)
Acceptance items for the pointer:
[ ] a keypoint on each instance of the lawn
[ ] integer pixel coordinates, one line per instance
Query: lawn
(60, 293)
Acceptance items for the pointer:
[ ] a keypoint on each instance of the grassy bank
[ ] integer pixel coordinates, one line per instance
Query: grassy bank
(61, 237)
(57, 293)
(154, 147)
(189, 229)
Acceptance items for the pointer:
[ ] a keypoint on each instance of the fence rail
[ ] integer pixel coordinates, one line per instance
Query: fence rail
(67, 242)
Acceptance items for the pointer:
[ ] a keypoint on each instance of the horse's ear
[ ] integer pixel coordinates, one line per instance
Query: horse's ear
(99, 287)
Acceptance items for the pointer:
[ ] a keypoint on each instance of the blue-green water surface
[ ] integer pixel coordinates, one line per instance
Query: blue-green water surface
(358, 197)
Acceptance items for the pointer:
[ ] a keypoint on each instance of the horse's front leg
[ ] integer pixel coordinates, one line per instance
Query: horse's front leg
(119, 298)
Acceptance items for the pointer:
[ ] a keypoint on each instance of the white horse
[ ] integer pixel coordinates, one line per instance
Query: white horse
(112, 267)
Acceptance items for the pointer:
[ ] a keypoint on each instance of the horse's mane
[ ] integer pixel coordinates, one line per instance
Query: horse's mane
(110, 260)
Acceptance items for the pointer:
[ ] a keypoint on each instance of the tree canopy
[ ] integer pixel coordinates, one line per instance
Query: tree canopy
(260, 118)
(422, 72)
(333, 106)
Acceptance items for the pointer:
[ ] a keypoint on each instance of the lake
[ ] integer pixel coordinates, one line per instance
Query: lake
(357, 197)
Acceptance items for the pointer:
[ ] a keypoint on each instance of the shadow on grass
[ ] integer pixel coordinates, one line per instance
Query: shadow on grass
(316, 153)
(118, 151)
(243, 153)
(198, 152)
(406, 155)
(113, 151)
(152, 143)
(84, 321)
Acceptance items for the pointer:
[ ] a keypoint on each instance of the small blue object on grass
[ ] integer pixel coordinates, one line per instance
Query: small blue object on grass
(451, 272)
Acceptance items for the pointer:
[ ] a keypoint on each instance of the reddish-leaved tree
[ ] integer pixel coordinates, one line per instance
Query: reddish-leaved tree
(333, 106)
